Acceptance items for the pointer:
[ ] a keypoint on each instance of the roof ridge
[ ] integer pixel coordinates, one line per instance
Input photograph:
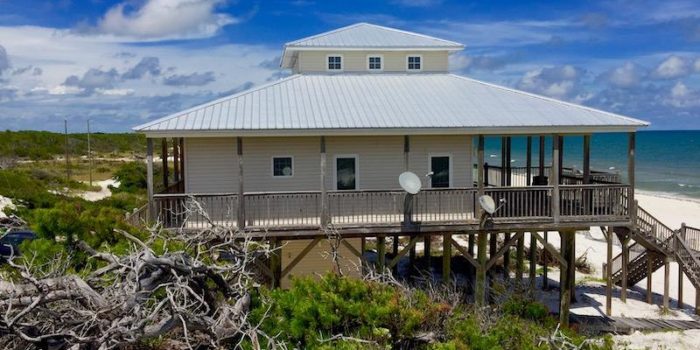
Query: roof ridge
(214, 102)
(571, 104)
(359, 24)
(337, 30)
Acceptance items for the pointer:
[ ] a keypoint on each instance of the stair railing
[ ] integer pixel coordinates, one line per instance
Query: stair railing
(687, 259)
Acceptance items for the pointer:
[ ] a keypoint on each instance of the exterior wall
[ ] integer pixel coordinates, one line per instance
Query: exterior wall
(318, 261)
(380, 160)
(459, 148)
(356, 61)
(211, 164)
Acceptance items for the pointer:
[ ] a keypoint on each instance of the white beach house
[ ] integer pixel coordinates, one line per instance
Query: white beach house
(323, 148)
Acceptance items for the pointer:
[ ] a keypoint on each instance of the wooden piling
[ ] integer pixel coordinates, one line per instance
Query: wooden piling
(480, 288)
(446, 257)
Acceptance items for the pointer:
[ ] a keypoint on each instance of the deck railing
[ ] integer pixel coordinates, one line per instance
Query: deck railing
(290, 210)
(594, 201)
(691, 235)
(570, 176)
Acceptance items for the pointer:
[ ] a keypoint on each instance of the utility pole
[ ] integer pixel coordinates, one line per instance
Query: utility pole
(65, 129)
(89, 152)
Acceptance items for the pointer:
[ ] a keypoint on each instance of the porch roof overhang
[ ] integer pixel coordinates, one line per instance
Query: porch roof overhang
(385, 104)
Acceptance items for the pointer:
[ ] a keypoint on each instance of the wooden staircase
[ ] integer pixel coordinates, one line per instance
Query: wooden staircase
(653, 242)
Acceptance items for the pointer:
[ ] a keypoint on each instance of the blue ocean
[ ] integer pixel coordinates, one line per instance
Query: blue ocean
(667, 162)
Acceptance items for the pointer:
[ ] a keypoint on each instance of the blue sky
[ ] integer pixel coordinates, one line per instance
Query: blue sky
(120, 63)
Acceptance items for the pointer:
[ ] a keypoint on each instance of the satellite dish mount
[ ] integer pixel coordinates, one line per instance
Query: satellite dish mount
(410, 183)
(489, 208)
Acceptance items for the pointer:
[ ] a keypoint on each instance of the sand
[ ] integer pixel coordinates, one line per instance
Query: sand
(104, 191)
(5, 203)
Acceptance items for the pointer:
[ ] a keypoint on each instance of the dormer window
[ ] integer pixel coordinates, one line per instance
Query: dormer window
(414, 63)
(374, 63)
(335, 63)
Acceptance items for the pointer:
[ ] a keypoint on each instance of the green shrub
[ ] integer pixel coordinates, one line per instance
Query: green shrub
(312, 310)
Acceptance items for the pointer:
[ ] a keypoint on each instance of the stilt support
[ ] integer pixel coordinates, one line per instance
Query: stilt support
(446, 257)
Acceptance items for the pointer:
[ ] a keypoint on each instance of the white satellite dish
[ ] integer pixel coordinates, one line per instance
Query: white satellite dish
(487, 203)
(410, 182)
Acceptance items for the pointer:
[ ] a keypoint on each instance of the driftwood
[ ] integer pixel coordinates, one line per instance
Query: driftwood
(192, 293)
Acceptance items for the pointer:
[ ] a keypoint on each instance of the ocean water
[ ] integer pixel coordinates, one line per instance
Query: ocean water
(667, 162)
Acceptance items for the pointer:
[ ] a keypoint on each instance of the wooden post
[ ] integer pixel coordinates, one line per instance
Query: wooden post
(363, 249)
(608, 274)
(241, 197)
(275, 262)
(471, 244)
(630, 174)
(509, 170)
(561, 158)
(554, 181)
(506, 258)
(545, 268)
(680, 270)
(486, 174)
(325, 218)
(446, 257)
(528, 162)
(541, 156)
(650, 271)
(481, 170)
(586, 159)
(571, 249)
(520, 260)
(697, 301)
(149, 179)
(564, 285)
(533, 261)
(164, 158)
(426, 250)
(182, 163)
(503, 161)
(176, 161)
(480, 289)
(625, 263)
(667, 282)
(381, 253)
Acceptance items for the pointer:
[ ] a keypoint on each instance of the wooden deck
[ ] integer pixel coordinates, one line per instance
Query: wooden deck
(382, 211)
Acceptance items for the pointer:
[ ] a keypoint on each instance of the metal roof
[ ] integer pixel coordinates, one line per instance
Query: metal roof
(365, 35)
(407, 103)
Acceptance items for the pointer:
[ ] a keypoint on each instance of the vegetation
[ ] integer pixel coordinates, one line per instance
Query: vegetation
(343, 313)
(44, 145)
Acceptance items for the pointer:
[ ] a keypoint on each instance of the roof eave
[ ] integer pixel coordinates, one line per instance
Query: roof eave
(515, 130)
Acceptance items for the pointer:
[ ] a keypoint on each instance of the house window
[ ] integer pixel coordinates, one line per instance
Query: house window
(440, 167)
(346, 172)
(414, 63)
(282, 166)
(374, 63)
(335, 63)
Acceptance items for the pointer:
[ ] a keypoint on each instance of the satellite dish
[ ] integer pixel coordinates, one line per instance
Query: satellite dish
(410, 182)
(487, 203)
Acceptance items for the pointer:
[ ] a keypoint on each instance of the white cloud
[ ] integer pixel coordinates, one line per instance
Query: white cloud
(681, 96)
(626, 76)
(100, 68)
(165, 19)
(4, 60)
(672, 67)
(559, 82)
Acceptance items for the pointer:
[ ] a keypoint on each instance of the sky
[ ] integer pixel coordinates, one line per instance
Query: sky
(122, 63)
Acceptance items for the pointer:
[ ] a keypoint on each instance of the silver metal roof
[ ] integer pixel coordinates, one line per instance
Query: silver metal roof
(365, 35)
(385, 103)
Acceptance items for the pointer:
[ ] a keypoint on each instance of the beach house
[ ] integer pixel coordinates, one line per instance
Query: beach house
(317, 156)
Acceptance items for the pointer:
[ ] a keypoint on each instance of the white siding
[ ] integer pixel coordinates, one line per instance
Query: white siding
(257, 166)
(379, 160)
(459, 148)
(211, 165)
(356, 61)
(318, 262)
